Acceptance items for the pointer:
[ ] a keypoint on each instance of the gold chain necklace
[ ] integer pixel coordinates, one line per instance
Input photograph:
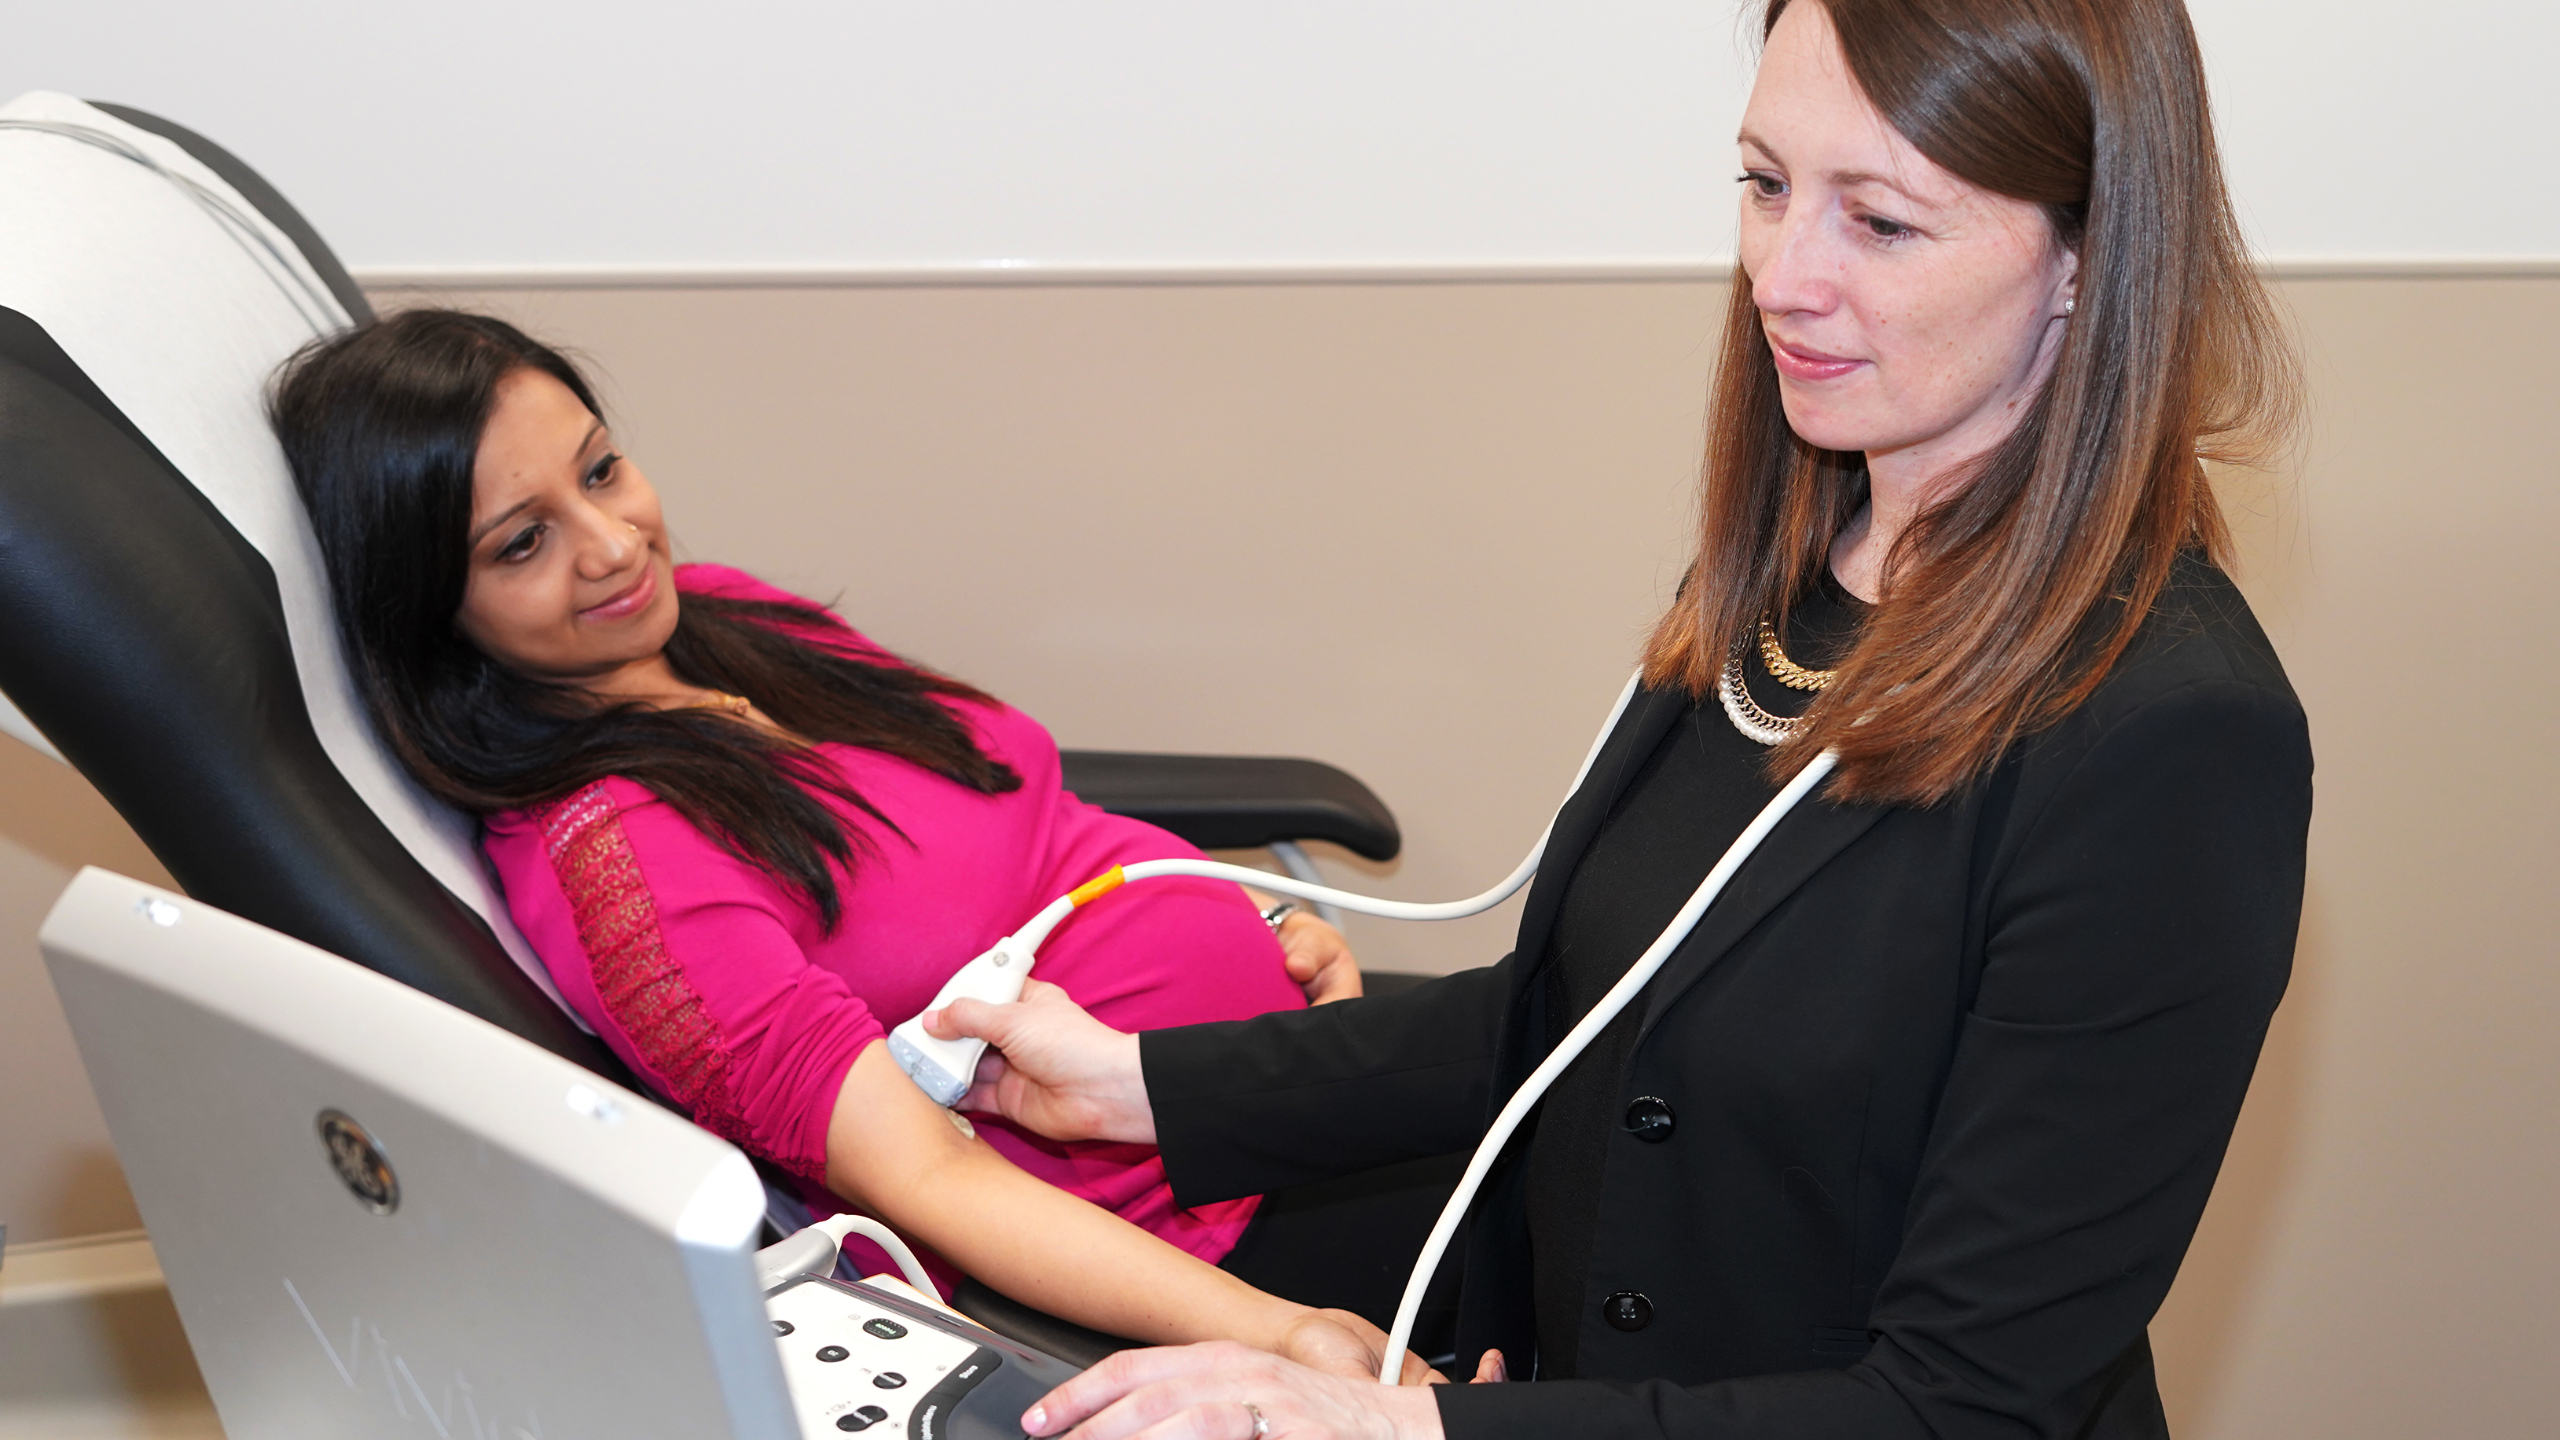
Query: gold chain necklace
(1788, 672)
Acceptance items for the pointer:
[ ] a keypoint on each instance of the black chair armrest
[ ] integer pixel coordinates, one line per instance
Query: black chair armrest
(1377, 984)
(1038, 1329)
(1237, 802)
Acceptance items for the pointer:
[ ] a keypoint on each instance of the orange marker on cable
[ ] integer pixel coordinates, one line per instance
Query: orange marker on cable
(944, 1068)
(1097, 887)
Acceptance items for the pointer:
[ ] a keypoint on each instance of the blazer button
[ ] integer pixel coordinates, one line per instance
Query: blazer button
(1627, 1310)
(1649, 1119)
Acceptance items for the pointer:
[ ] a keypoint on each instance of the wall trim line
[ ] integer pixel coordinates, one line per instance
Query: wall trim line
(1027, 273)
(2487, 267)
(1047, 273)
(87, 1267)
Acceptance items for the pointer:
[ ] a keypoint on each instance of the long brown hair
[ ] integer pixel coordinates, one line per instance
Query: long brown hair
(2007, 601)
(382, 428)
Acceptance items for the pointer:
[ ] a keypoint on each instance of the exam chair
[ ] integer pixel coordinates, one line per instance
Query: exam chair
(164, 621)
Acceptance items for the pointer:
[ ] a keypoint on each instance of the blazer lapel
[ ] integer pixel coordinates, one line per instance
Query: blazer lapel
(1793, 853)
(1649, 717)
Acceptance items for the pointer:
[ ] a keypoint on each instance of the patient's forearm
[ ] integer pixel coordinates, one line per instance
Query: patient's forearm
(896, 1155)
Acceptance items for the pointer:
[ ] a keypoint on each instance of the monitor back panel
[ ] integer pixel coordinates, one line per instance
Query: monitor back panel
(379, 1216)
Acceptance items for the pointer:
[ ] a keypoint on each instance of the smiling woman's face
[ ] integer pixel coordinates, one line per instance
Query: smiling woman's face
(571, 578)
(1912, 315)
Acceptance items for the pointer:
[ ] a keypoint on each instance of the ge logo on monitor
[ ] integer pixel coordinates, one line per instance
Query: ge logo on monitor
(359, 1162)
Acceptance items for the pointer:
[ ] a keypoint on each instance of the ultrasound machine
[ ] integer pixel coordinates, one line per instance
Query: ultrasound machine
(380, 1215)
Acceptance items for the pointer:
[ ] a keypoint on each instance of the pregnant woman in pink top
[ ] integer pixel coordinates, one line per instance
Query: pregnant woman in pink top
(728, 991)
(745, 840)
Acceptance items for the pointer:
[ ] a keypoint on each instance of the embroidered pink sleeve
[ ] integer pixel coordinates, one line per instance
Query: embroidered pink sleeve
(701, 984)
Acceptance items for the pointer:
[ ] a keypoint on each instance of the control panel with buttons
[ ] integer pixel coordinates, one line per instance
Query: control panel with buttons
(860, 1360)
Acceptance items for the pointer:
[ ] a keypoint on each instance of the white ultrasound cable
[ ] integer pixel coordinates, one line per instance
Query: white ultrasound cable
(813, 1250)
(1576, 1041)
(944, 1069)
(1566, 1051)
(1038, 930)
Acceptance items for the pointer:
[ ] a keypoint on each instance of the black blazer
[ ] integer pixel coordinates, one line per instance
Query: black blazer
(1950, 1085)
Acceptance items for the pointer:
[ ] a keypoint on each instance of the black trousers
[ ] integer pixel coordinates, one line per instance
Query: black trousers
(1349, 1244)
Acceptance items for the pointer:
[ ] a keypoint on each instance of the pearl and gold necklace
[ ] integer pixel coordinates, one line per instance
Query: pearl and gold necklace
(1748, 715)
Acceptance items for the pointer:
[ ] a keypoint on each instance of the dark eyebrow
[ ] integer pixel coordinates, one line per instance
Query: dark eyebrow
(1844, 179)
(480, 531)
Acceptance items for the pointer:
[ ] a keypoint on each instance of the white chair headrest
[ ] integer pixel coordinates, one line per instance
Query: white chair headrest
(179, 299)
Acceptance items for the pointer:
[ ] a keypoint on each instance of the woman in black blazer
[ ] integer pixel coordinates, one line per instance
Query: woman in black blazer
(1910, 1134)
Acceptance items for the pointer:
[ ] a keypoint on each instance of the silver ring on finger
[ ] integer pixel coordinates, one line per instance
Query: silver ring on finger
(1261, 1427)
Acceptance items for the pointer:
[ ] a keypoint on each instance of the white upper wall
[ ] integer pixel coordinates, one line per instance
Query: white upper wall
(529, 134)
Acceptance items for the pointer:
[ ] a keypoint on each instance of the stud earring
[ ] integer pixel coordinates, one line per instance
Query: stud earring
(2070, 305)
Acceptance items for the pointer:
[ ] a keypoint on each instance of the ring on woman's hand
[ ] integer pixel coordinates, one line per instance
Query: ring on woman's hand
(1261, 1427)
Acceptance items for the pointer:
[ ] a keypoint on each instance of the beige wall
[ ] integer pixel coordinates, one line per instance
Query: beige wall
(2381, 1251)
(1418, 529)
(58, 1175)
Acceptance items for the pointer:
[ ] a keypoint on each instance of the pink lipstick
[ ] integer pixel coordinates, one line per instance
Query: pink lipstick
(630, 602)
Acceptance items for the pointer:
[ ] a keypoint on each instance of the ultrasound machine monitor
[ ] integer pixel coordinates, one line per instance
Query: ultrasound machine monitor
(381, 1216)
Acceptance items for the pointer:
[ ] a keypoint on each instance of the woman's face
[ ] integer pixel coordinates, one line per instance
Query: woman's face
(571, 578)
(1912, 315)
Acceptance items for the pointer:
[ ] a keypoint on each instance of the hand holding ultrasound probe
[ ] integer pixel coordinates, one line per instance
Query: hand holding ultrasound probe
(1932, 421)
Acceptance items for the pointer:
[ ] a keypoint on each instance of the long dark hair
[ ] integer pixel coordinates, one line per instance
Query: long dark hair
(382, 428)
(2006, 603)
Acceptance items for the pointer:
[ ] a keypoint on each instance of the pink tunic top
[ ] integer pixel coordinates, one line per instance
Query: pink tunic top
(721, 986)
